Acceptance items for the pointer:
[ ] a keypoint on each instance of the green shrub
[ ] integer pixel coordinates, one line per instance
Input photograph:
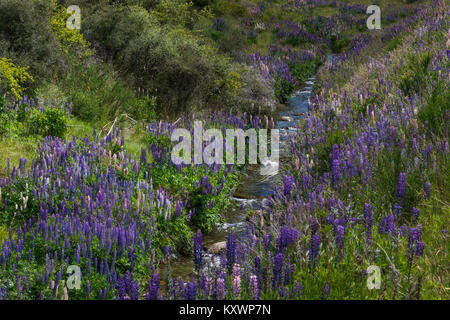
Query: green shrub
(338, 44)
(26, 37)
(183, 67)
(283, 90)
(145, 108)
(12, 78)
(51, 122)
(4, 233)
(2, 104)
(71, 41)
(256, 89)
(229, 8)
(4, 121)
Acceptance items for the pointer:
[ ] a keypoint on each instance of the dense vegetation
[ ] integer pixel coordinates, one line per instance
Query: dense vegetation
(86, 176)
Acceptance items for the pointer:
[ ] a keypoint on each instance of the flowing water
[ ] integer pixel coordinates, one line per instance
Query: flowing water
(254, 187)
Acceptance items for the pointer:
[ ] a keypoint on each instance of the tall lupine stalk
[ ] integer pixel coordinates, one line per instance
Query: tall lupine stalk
(368, 221)
(198, 251)
(236, 280)
(340, 241)
(231, 250)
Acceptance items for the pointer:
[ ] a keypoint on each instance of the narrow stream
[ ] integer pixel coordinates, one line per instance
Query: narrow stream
(254, 188)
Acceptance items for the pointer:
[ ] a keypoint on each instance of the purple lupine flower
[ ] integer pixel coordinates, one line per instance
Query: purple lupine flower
(231, 250)
(178, 208)
(416, 214)
(340, 240)
(167, 250)
(153, 287)
(190, 291)
(415, 244)
(398, 210)
(427, 189)
(287, 237)
(267, 240)
(236, 280)
(401, 186)
(325, 292)
(314, 248)
(335, 152)
(143, 156)
(382, 226)
(403, 230)
(288, 182)
(254, 288)
(335, 172)
(390, 225)
(277, 269)
(220, 288)
(198, 251)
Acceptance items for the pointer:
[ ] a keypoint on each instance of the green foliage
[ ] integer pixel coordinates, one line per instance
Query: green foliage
(2, 104)
(50, 122)
(413, 79)
(390, 165)
(28, 120)
(179, 13)
(98, 95)
(256, 89)
(3, 116)
(71, 41)
(20, 200)
(283, 89)
(4, 233)
(26, 37)
(435, 112)
(360, 109)
(12, 78)
(339, 43)
(145, 108)
(205, 216)
(183, 67)
(229, 8)
(324, 150)
(394, 43)
(303, 71)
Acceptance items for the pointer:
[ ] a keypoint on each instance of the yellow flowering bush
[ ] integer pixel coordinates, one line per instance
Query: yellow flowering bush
(13, 78)
(71, 40)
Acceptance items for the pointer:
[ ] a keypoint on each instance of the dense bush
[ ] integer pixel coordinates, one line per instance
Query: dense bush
(184, 68)
(12, 78)
(26, 37)
(50, 122)
(229, 8)
(256, 89)
(31, 118)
